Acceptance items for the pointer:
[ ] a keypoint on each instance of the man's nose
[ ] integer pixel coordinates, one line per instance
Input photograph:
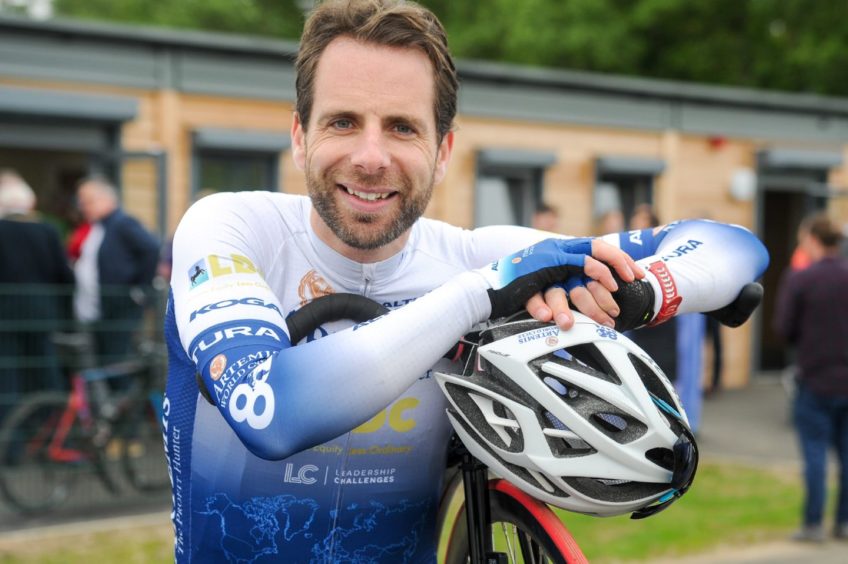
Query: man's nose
(371, 152)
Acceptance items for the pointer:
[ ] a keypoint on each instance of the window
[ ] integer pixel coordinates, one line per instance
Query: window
(233, 160)
(623, 183)
(509, 186)
(232, 171)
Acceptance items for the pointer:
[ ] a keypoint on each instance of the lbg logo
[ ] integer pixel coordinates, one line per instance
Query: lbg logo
(215, 266)
(395, 416)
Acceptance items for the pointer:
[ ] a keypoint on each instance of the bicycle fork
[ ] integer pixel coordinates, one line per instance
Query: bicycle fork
(475, 479)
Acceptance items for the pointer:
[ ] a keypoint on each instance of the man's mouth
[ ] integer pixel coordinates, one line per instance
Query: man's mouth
(368, 196)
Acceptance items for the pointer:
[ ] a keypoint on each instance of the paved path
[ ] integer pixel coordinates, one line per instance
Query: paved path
(753, 426)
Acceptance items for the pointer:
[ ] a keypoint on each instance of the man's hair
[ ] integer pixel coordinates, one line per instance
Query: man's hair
(823, 229)
(544, 207)
(16, 196)
(101, 182)
(392, 23)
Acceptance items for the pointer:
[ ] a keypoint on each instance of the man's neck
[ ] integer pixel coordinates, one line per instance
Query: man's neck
(364, 256)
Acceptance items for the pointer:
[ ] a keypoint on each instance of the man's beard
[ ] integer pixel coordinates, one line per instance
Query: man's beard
(354, 231)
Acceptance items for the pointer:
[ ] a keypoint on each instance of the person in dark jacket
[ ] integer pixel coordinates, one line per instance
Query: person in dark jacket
(35, 282)
(114, 271)
(812, 314)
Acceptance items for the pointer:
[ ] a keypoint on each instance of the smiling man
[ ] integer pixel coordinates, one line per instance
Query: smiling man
(334, 450)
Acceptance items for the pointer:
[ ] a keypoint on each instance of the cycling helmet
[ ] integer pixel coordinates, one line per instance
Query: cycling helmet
(581, 419)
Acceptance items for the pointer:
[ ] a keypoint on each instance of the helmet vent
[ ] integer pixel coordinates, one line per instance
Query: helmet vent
(654, 384)
(563, 441)
(556, 385)
(489, 417)
(610, 422)
(616, 491)
(661, 457)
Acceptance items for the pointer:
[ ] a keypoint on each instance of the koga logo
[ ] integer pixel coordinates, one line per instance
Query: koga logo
(223, 304)
(688, 247)
(670, 299)
(303, 475)
(215, 266)
(537, 334)
(207, 341)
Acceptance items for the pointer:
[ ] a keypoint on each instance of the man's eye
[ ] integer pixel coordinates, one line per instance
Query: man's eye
(404, 129)
(342, 124)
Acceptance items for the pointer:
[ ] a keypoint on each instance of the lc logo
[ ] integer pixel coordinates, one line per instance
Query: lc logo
(394, 415)
(303, 476)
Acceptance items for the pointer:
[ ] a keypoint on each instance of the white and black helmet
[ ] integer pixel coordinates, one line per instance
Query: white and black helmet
(582, 419)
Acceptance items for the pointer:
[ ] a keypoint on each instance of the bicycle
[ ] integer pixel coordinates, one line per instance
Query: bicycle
(52, 438)
(505, 524)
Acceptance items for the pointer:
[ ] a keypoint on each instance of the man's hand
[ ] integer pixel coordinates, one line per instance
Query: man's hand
(569, 262)
(591, 293)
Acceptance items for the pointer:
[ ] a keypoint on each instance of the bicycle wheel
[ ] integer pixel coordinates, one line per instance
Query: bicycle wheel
(31, 480)
(522, 528)
(142, 450)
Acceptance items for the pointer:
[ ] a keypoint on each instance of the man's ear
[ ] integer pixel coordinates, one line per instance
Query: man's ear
(443, 157)
(298, 135)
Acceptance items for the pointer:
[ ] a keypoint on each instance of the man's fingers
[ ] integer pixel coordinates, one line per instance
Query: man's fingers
(585, 302)
(600, 272)
(620, 261)
(538, 309)
(556, 299)
(604, 298)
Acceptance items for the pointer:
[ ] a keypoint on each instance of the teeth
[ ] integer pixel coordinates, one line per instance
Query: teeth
(370, 196)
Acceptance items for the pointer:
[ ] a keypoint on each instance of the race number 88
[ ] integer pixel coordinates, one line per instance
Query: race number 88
(245, 410)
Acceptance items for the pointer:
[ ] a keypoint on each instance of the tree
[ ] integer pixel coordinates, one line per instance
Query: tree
(794, 45)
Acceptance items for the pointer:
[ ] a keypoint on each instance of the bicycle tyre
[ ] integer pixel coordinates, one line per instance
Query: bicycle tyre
(29, 480)
(523, 528)
(142, 449)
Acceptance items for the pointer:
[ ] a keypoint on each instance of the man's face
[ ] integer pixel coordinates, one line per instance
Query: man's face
(94, 202)
(370, 152)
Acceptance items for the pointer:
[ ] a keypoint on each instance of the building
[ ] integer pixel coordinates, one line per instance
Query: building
(168, 113)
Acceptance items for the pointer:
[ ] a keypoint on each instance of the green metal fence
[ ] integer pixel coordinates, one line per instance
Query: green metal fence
(44, 351)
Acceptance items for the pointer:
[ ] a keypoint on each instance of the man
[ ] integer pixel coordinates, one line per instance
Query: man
(333, 450)
(812, 309)
(545, 218)
(35, 282)
(117, 262)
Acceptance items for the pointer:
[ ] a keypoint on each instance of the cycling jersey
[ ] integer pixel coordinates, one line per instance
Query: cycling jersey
(241, 264)
(273, 472)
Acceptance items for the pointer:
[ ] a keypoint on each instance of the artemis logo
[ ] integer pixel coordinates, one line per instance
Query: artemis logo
(208, 340)
(636, 237)
(230, 303)
(302, 476)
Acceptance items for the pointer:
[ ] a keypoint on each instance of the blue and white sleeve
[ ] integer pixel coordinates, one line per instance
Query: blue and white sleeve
(694, 265)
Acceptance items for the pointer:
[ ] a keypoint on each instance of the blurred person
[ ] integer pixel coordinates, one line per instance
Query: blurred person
(643, 217)
(676, 346)
(114, 271)
(811, 313)
(611, 221)
(35, 282)
(546, 218)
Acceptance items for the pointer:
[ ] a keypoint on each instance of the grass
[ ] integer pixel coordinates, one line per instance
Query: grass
(728, 505)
